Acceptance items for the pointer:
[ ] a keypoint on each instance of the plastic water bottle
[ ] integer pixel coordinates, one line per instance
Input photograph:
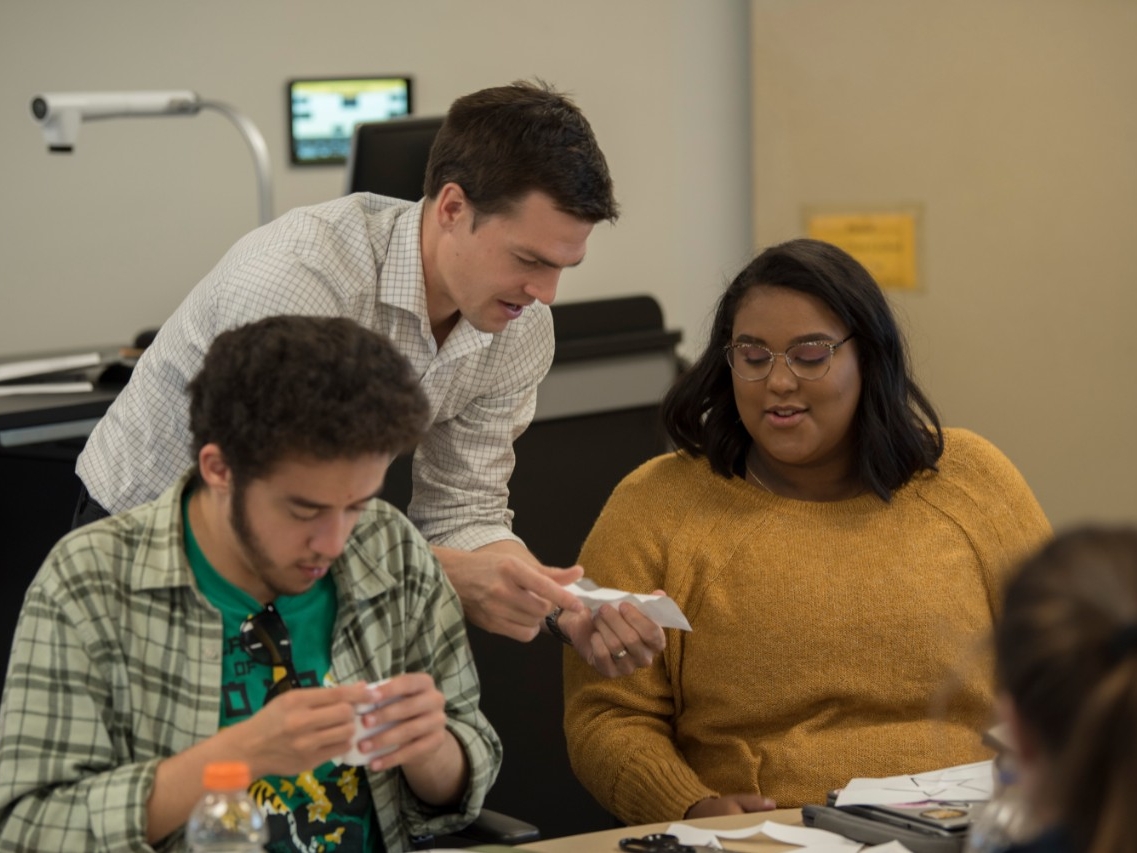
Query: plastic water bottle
(226, 819)
(1004, 820)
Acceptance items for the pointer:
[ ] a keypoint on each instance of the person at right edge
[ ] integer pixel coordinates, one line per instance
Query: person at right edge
(1066, 663)
(836, 551)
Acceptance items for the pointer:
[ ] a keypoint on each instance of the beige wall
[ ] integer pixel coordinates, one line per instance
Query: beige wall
(1013, 124)
(99, 244)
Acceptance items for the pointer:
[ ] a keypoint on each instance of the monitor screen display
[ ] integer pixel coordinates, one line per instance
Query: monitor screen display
(323, 113)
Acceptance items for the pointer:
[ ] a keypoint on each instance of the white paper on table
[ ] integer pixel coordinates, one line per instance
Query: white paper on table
(888, 847)
(816, 840)
(660, 609)
(962, 782)
(805, 836)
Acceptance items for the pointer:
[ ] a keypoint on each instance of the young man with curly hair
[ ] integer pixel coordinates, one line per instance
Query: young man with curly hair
(243, 614)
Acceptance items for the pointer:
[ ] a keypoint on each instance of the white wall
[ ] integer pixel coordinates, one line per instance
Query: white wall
(99, 244)
(1014, 126)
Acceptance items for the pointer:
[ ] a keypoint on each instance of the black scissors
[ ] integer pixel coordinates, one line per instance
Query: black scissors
(661, 842)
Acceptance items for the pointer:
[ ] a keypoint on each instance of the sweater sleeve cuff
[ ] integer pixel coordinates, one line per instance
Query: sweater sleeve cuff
(658, 793)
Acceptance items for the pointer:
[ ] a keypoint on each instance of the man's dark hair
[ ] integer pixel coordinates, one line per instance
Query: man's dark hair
(314, 387)
(502, 143)
(896, 432)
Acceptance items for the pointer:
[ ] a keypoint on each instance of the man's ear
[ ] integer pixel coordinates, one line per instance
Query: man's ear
(451, 206)
(215, 471)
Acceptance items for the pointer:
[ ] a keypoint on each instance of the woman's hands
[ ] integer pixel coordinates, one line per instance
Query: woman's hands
(730, 804)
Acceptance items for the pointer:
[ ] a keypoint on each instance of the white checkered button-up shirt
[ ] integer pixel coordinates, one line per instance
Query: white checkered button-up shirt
(358, 257)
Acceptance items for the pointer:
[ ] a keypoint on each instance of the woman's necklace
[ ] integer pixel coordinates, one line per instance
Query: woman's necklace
(757, 479)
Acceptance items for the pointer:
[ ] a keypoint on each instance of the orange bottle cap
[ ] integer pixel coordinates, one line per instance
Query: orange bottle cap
(226, 776)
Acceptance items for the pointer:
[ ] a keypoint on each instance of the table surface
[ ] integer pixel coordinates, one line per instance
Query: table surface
(608, 840)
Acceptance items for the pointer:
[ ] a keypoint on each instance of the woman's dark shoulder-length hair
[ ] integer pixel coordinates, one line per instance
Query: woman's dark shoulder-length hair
(896, 430)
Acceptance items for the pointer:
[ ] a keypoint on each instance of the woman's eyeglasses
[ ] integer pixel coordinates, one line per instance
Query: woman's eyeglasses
(265, 639)
(754, 362)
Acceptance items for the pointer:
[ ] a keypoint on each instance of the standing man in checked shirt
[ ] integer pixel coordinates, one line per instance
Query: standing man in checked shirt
(461, 282)
(244, 615)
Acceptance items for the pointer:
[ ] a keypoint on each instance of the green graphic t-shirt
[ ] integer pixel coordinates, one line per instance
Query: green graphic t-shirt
(327, 808)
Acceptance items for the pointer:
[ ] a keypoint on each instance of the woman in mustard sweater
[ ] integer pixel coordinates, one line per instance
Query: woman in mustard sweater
(837, 553)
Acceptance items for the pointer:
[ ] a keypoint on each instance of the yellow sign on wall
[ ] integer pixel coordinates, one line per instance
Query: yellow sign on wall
(884, 242)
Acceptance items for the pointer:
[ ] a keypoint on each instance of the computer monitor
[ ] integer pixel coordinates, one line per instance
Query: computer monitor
(389, 157)
(323, 112)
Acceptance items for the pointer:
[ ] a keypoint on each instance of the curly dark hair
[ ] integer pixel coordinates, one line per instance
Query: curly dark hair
(318, 387)
(500, 144)
(897, 432)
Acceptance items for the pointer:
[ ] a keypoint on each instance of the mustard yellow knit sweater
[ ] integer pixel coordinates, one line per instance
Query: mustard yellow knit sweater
(823, 632)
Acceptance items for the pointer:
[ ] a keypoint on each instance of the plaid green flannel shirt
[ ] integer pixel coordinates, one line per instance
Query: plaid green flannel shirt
(116, 665)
